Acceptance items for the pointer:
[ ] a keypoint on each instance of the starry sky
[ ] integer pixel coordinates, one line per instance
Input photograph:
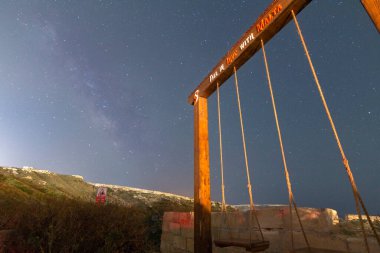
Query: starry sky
(99, 88)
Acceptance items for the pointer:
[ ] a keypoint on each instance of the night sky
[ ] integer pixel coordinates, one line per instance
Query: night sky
(99, 88)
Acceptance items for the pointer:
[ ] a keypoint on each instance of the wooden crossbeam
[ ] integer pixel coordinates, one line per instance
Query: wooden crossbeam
(373, 9)
(270, 22)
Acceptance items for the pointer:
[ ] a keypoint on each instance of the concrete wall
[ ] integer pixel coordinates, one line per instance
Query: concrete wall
(321, 226)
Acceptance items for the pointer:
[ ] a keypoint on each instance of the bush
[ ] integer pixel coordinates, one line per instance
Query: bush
(64, 225)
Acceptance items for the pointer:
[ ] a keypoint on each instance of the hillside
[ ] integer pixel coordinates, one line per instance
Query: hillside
(42, 211)
(32, 184)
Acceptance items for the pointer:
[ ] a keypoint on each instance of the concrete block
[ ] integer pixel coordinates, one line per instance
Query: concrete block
(274, 239)
(190, 244)
(165, 226)
(214, 231)
(171, 216)
(228, 220)
(356, 245)
(373, 245)
(244, 234)
(166, 240)
(174, 228)
(316, 240)
(321, 227)
(167, 216)
(228, 250)
(186, 221)
(186, 217)
(176, 250)
(187, 232)
(217, 218)
(166, 237)
(272, 217)
(164, 246)
(179, 242)
(312, 219)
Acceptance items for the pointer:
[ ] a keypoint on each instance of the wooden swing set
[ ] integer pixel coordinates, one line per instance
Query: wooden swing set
(273, 19)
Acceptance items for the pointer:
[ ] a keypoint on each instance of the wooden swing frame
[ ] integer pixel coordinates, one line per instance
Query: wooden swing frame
(269, 23)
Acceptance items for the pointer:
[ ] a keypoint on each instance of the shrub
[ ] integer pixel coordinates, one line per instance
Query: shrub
(64, 225)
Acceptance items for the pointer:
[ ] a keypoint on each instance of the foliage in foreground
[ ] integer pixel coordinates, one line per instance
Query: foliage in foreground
(64, 225)
(47, 212)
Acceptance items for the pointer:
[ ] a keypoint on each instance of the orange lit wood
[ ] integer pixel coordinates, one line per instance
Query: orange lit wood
(202, 200)
(270, 22)
(373, 9)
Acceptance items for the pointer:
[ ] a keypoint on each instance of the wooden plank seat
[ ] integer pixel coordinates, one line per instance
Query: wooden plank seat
(316, 250)
(252, 246)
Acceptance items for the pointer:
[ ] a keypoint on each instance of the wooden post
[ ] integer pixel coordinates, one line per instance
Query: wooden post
(373, 9)
(202, 201)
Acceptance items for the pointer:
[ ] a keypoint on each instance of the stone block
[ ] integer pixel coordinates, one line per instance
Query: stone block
(271, 217)
(166, 240)
(217, 218)
(165, 226)
(190, 244)
(186, 217)
(320, 226)
(174, 228)
(227, 234)
(312, 219)
(187, 232)
(274, 239)
(171, 216)
(356, 245)
(166, 237)
(164, 246)
(228, 250)
(186, 221)
(245, 234)
(316, 240)
(176, 250)
(228, 220)
(179, 242)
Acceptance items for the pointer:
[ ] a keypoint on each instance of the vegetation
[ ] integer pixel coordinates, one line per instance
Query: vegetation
(65, 225)
(353, 228)
(42, 212)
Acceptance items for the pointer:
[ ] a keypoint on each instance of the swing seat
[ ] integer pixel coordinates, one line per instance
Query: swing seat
(251, 246)
(315, 250)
